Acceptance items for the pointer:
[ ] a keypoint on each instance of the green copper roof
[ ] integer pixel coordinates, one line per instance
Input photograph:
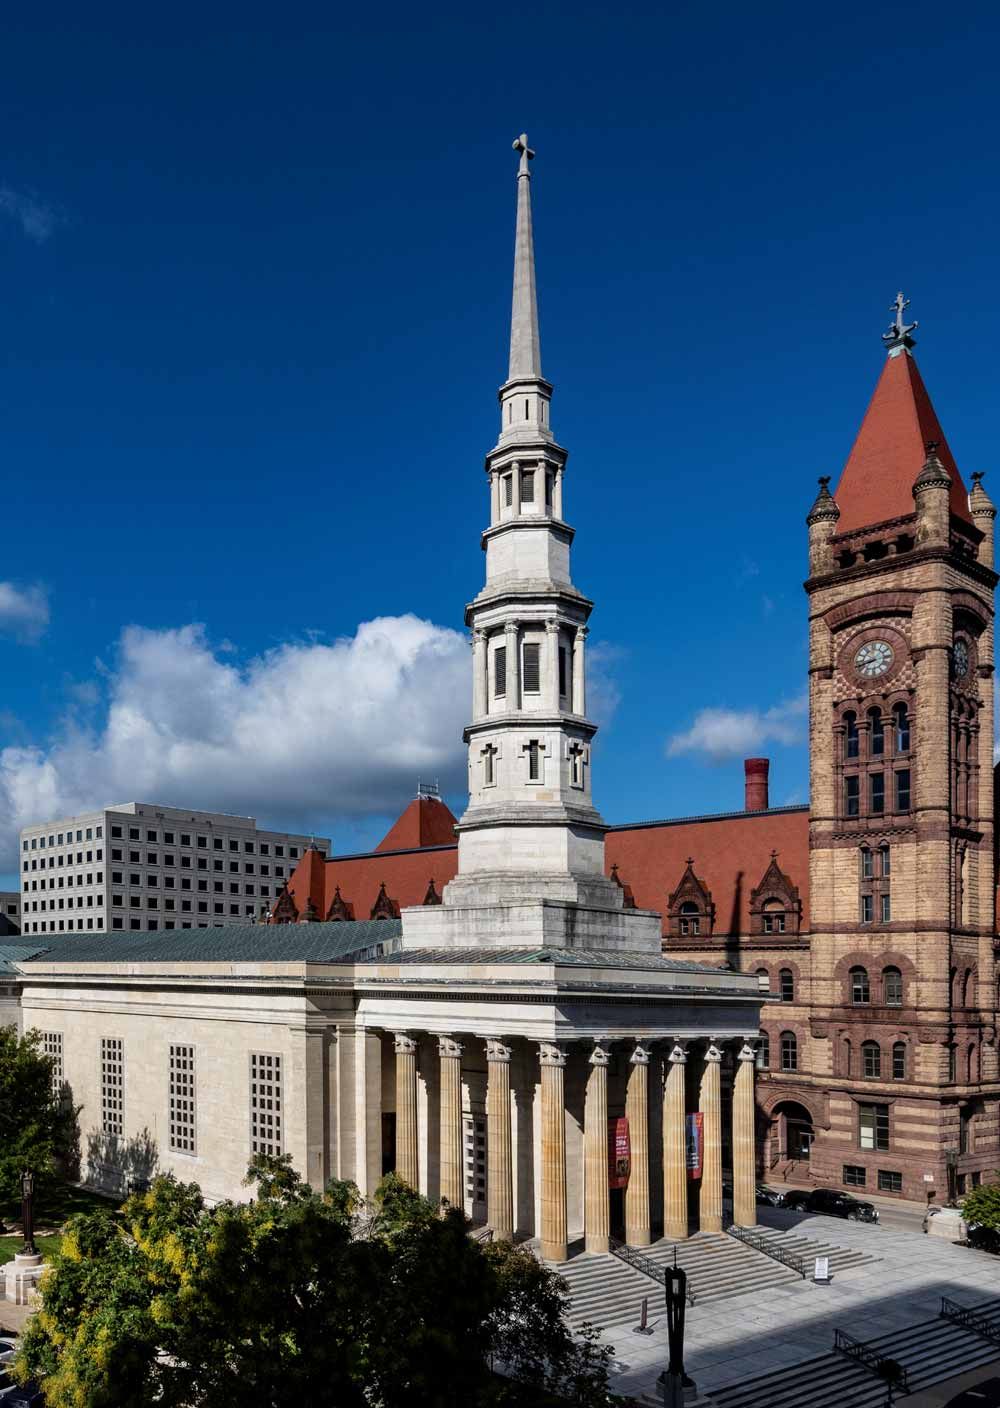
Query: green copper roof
(230, 943)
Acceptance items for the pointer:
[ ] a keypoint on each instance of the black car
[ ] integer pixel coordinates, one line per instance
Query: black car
(836, 1204)
(29, 1395)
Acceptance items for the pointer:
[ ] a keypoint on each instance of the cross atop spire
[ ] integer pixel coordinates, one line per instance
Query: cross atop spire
(525, 348)
(899, 331)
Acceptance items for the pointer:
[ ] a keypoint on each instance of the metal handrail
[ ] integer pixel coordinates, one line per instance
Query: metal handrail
(644, 1264)
(843, 1343)
(972, 1320)
(769, 1248)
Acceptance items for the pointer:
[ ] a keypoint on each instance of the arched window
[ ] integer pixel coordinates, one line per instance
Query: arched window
(899, 1060)
(876, 736)
(901, 724)
(786, 980)
(892, 987)
(851, 735)
(871, 1060)
(860, 987)
(764, 1052)
(690, 918)
(969, 988)
(774, 917)
(789, 1052)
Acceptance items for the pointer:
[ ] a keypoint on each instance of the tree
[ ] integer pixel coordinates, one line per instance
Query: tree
(36, 1123)
(298, 1298)
(981, 1212)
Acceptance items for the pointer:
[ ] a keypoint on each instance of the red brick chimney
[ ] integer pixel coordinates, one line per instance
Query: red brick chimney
(756, 770)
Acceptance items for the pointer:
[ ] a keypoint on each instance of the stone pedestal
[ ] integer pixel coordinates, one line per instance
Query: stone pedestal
(20, 1278)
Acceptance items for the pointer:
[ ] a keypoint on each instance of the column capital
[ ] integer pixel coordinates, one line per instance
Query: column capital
(448, 1046)
(640, 1054)
(497, 1050)
(404, 1044)
(582, 632)
(748, 1051)
(551, 625)
(713, 1051)
(601, 1054)
(551, 1054)
(511, 625)
(678, 1055)
(479, 635)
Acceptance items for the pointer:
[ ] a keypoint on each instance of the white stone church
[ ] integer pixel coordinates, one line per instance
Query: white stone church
(521, 1049)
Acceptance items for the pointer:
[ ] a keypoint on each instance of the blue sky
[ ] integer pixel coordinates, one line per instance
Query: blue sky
(254, 291)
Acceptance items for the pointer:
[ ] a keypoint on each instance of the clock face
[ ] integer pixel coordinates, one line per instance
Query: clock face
(960, 659)
(873, 659)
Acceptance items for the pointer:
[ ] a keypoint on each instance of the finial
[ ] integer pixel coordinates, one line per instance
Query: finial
(825, 506)
(899, 331)
(520, 144)
(977, 477)
(932, 447)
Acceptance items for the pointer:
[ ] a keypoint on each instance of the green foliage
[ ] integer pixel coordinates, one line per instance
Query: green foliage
(982, 1207)
(298, 1298)
(35, 1125)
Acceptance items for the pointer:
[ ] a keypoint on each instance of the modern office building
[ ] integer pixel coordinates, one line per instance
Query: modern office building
(143, 866)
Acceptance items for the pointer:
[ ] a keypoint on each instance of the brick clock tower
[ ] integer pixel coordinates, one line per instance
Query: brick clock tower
(902, 1024)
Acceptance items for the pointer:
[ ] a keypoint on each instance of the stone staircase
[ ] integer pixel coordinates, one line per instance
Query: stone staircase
(718, 1266)
(841, 1258)
(606, 1292)
(929, 1352)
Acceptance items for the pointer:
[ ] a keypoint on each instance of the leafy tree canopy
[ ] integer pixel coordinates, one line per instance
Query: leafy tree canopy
(298, 1298)
(36, 1124)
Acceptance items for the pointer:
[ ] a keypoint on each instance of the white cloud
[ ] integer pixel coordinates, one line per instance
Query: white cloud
(24, 611)
(721, 734)
(300, 734)
(37, 220)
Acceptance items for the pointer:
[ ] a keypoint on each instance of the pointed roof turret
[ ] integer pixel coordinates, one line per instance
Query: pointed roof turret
(891, 448)
(525, 346)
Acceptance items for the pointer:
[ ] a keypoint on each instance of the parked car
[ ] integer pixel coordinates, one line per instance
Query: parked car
(771, 1197)
(833, 1203)
(796, 1199)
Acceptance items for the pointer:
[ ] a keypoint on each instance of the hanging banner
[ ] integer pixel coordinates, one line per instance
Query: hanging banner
(619, 1152)
(694, 1145)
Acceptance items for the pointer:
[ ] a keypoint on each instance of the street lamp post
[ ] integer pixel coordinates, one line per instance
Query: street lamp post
(28, 1213)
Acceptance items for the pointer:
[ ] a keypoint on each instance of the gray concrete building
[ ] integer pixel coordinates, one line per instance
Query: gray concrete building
(144, 866)
(10, 912)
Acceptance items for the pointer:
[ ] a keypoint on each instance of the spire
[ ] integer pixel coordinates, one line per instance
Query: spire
(891, 448)
(525, 349)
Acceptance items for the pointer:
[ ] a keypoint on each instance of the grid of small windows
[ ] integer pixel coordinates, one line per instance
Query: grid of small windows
(265, 1103)
(52, 1046)
(889, 1181)
(854, 1176)
(112, 1085)
(182, 1134)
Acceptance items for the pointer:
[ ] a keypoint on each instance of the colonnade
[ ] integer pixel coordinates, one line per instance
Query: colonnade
(552, 1058)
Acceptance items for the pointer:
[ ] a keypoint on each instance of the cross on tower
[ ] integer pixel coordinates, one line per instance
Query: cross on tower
(489, 754)
(533, 750)
(577, 763)
(520, 144)
(899, 331)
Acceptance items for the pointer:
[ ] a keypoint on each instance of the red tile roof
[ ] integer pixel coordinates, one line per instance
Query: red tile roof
(426, 822)
(877, 482)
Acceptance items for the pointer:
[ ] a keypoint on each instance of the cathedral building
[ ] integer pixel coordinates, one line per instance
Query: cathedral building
(505, 1031)
(871, 913)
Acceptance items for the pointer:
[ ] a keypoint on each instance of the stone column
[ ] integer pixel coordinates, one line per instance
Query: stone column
(512, 643)
(744, 1163)
(637, 1222)
(499, 1177)
(515, 471)
(552, 664)
(451, 1151)
(406, 1109)
(553, 1063)
(710, 1104)
(596, 1193)
(557, 492)
(675, 1208)
(480, 707)
(579, 672)
(494, 497)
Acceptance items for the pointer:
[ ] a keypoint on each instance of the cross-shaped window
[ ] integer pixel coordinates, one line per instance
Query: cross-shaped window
(533, 748)
(577, 761)
(489, 764)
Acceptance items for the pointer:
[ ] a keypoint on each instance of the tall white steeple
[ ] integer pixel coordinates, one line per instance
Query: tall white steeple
(531, 842)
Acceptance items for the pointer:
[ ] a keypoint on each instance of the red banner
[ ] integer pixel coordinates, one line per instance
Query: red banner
(694, 1145)
(619, 1152)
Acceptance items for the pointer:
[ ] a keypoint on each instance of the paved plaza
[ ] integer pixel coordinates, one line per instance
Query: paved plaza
(732, 1341)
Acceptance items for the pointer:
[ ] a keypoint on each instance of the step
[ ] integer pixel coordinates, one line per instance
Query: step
(831, 1381)
(605, 1291)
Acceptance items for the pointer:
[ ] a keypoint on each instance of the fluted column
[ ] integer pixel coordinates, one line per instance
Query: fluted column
(512, 645)
(451, 1152)
(744, 1163)
(499, 1180)
(596, 1193)
(515, 471)
(675, 1208)
(553, 1063)
(406, 1109)
(479, 682)
(579, 672)
(637, 1221)
(710, 1104)
(552, 664)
